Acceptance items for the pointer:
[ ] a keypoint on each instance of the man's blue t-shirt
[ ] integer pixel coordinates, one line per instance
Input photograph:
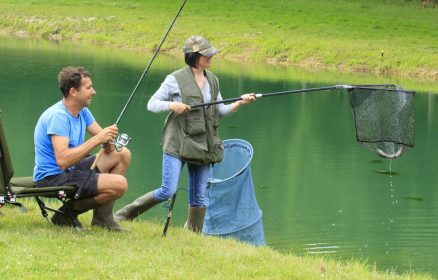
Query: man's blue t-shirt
(57, 120)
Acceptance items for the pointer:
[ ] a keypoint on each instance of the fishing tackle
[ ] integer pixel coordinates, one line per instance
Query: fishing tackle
(123, 139)
(383, 115)
(348, 87)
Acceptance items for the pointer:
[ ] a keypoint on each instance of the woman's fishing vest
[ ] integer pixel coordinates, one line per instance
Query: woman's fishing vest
(193, 136)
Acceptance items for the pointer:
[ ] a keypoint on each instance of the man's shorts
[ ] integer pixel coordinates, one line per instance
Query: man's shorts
(78, 176)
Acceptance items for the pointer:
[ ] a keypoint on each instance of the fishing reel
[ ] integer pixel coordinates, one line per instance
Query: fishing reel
(122, 141)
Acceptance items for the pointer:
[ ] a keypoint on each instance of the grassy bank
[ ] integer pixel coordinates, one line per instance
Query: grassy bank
(346, 36)
(35, 249)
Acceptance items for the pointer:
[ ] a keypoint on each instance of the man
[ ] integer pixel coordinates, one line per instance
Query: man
(62, 154)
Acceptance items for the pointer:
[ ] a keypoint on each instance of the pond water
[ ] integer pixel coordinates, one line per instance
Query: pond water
(320, 191)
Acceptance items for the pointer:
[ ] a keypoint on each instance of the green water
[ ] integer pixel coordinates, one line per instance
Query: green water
(320, 192)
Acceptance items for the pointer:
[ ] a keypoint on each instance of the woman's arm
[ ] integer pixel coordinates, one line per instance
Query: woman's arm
(226, 109)
(246, 99)
(168, 92)
(168, 98)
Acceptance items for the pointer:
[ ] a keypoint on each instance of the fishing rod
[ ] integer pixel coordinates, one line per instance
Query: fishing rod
(348, 87)
(123, 138)
(169, 214)
(150, 62)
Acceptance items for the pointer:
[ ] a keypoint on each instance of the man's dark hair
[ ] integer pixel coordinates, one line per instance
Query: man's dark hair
(192, 59)
(70, 77)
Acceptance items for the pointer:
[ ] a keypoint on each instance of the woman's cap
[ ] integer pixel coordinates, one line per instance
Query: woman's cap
(199, 44)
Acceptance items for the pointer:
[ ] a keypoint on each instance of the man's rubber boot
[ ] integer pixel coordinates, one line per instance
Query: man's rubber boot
(103, 217)
(140, 205)
(75, 208)
(195, 219)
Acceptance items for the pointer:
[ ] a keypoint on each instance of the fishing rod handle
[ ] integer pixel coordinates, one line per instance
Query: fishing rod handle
(81, 186)
(96, 160)
(224, 101)
(93, 166)
(216, 102)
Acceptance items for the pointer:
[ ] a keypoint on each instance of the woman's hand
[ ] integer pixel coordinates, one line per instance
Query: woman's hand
(247, 98)
(179, 107)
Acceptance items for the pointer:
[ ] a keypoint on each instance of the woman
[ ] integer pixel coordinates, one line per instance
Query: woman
(189, 136)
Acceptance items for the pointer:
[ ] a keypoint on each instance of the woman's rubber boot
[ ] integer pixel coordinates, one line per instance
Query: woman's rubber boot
(103, 217)
(140, 205)
(75, 208)
(195, 219)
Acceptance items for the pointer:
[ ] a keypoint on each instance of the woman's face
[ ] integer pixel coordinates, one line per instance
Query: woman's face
(204, 62)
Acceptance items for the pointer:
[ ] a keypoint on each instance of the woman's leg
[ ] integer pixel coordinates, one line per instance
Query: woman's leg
(171, 171)
(198, 179)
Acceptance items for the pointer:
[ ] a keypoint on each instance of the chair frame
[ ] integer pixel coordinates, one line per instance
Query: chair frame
(14, 188)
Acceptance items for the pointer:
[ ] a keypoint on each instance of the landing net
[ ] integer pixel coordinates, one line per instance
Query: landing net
(384, 118)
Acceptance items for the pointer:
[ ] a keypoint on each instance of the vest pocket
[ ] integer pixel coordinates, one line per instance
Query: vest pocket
(195, 126)
(215, 122)
(217, 154)
(190, 150)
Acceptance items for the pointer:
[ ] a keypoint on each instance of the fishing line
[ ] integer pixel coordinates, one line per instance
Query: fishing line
(145, 72)
(123, 139)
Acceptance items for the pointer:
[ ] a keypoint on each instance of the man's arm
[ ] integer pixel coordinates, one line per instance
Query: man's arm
(66, 157)
(94, 128)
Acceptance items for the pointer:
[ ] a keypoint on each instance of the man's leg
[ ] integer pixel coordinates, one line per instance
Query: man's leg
(99, 190)
(115, 162)
(111, 185)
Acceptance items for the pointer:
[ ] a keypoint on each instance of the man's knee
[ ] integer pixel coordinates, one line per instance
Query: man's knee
(120, 185)
(113, 184)
(126, 156)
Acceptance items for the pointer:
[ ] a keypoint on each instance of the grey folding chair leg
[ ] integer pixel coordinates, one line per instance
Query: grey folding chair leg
(18, 204)
(42, 208)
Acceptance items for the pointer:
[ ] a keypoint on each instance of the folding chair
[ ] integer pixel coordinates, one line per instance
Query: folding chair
(13, 188)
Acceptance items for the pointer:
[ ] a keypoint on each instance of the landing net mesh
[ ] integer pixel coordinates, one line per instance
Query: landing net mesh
(384, 118)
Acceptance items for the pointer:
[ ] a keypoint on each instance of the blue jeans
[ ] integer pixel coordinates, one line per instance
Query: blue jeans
(198, 178)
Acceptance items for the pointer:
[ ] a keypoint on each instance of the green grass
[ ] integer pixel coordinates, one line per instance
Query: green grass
(339, 35)
(34, 249)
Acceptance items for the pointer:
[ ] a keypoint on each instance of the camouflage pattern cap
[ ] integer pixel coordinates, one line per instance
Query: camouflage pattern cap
(199, 44)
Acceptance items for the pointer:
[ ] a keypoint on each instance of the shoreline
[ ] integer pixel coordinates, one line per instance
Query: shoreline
(274, 72)
(420, 74)
(143, 253)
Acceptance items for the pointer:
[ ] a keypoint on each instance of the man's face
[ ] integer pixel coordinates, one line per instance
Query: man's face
(85, 92)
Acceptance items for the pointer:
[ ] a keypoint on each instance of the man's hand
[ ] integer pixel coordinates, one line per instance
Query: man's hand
(109, 147)
(108, 134)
